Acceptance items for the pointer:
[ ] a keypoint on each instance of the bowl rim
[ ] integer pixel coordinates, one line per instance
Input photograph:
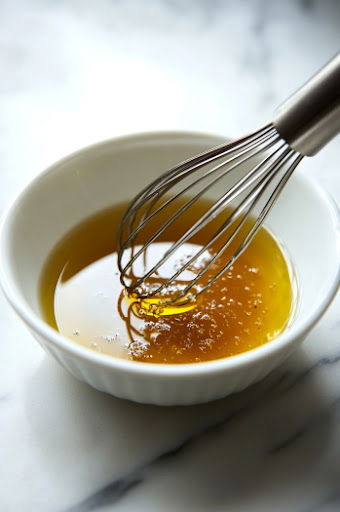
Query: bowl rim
(37, 324)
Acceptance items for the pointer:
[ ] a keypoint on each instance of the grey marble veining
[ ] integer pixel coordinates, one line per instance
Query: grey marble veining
(76, 72)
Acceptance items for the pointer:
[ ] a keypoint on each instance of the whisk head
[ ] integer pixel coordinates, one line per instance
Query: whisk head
(243, 177)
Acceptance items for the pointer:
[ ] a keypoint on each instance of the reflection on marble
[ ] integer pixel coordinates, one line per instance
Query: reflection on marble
(76, 72)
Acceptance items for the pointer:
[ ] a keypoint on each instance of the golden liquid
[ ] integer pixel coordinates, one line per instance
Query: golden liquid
(82, 297)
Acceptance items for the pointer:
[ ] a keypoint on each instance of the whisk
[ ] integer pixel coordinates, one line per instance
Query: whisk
(267, 158)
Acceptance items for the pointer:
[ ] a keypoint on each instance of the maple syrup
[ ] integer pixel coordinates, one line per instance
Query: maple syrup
(81, 296)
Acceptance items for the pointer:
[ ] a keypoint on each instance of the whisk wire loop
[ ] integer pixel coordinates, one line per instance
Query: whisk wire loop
(132, 235)
(249, 237)
(157, 193)
(201, 159)
(254, 181)
(253, 184)
(246, 205)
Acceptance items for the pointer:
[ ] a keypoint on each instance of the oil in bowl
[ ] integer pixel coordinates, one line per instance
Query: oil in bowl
(81, 296)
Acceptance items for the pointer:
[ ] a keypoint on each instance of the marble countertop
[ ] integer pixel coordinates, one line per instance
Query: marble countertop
(76, 72)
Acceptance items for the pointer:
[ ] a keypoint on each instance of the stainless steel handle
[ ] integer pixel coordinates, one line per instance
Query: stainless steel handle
(311, 116)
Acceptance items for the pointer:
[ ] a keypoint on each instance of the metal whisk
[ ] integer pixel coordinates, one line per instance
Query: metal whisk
(251, 172)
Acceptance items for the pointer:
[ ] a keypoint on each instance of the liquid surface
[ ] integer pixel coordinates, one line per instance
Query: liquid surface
(82, 297)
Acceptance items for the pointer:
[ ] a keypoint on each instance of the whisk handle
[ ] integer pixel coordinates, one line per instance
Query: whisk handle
(311, 116)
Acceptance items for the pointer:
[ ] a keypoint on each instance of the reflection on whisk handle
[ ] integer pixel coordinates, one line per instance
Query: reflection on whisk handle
(311, 117)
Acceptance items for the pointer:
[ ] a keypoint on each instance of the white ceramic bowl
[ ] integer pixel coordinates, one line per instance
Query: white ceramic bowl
(100, 175)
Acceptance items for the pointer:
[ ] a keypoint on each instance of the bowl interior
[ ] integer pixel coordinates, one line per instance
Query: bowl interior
(116, 170)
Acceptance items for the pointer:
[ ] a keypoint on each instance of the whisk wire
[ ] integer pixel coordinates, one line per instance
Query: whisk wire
(250, 235)
(162, 190)
(270, 203)
(253, 184)
(226, 198)
(250, 201)
(187, 166)
(178, 172)
(208, 214)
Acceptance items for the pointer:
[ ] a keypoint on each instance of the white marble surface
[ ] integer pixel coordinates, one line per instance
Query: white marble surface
(73, 73)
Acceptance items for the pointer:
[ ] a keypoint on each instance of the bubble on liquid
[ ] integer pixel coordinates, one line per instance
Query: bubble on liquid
(205, 316)
(138, 346)
(112, 338)
(154, 335)
(76, 332)
(257, 302)
(165, 327)
(206, 344)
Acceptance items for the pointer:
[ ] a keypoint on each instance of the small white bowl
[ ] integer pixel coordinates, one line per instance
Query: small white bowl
(112, 171)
